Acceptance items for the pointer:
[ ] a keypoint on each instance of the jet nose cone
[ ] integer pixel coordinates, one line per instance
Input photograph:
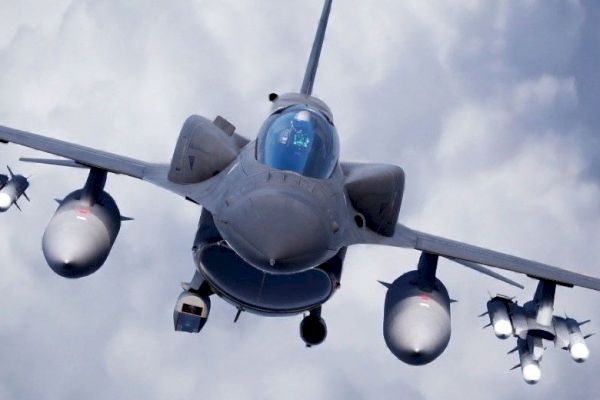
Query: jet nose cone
(73, 251)
(277, 233)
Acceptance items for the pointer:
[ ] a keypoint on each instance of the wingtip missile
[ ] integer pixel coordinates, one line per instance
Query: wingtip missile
(12, 190)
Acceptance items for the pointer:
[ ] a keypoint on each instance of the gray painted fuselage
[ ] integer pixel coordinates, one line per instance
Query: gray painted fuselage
(280, 228)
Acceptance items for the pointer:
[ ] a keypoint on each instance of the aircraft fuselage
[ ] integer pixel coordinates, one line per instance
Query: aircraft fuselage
(278, 232)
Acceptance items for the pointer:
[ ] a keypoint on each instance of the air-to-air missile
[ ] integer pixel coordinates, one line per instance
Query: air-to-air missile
(531, 324)
(11, 189)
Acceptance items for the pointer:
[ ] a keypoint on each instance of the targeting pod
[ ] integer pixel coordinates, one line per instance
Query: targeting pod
(191, 312)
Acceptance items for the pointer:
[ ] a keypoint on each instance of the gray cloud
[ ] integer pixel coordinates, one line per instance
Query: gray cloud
(490, 108)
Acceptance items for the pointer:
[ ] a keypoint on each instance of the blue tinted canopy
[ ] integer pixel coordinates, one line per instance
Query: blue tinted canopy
(301, 140)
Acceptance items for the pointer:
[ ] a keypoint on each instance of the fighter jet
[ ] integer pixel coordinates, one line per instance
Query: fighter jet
(12, 189)
(278, 214)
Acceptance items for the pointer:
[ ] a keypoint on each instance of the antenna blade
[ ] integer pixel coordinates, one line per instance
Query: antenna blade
(315, 54)
(237, 316)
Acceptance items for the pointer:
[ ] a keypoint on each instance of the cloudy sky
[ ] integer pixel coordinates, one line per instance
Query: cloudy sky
(491, 107)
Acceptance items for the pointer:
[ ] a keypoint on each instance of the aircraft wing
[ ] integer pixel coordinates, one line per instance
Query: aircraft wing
(89, 157)
(461, 252)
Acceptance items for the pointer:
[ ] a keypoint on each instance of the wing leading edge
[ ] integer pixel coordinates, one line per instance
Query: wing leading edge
(92, 158)
(461, 252)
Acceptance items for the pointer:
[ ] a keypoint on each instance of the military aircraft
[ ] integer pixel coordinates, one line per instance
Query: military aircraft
(278, 214)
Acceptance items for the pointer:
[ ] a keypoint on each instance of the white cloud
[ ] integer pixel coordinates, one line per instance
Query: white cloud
(479, 102)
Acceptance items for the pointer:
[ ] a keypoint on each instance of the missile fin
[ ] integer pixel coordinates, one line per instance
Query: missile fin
(513, 350)
(26, 197)
(125, 219)
(10, 172)
(486, 326)
(589, 335)
(17, 205)
(515, 367)
(587, 321)
(483, 315)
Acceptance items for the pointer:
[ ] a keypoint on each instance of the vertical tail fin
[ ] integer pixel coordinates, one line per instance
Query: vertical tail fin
(315, 54)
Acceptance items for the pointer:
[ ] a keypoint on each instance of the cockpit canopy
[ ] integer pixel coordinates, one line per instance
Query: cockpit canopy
(301, 140)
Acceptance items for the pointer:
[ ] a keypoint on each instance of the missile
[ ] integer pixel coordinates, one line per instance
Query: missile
(12, 190)
(577, 346)
(499, 318)
(530, 368)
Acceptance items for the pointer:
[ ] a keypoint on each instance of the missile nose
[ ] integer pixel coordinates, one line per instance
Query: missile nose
(579, 352)
(532, 373)
(5, 202)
